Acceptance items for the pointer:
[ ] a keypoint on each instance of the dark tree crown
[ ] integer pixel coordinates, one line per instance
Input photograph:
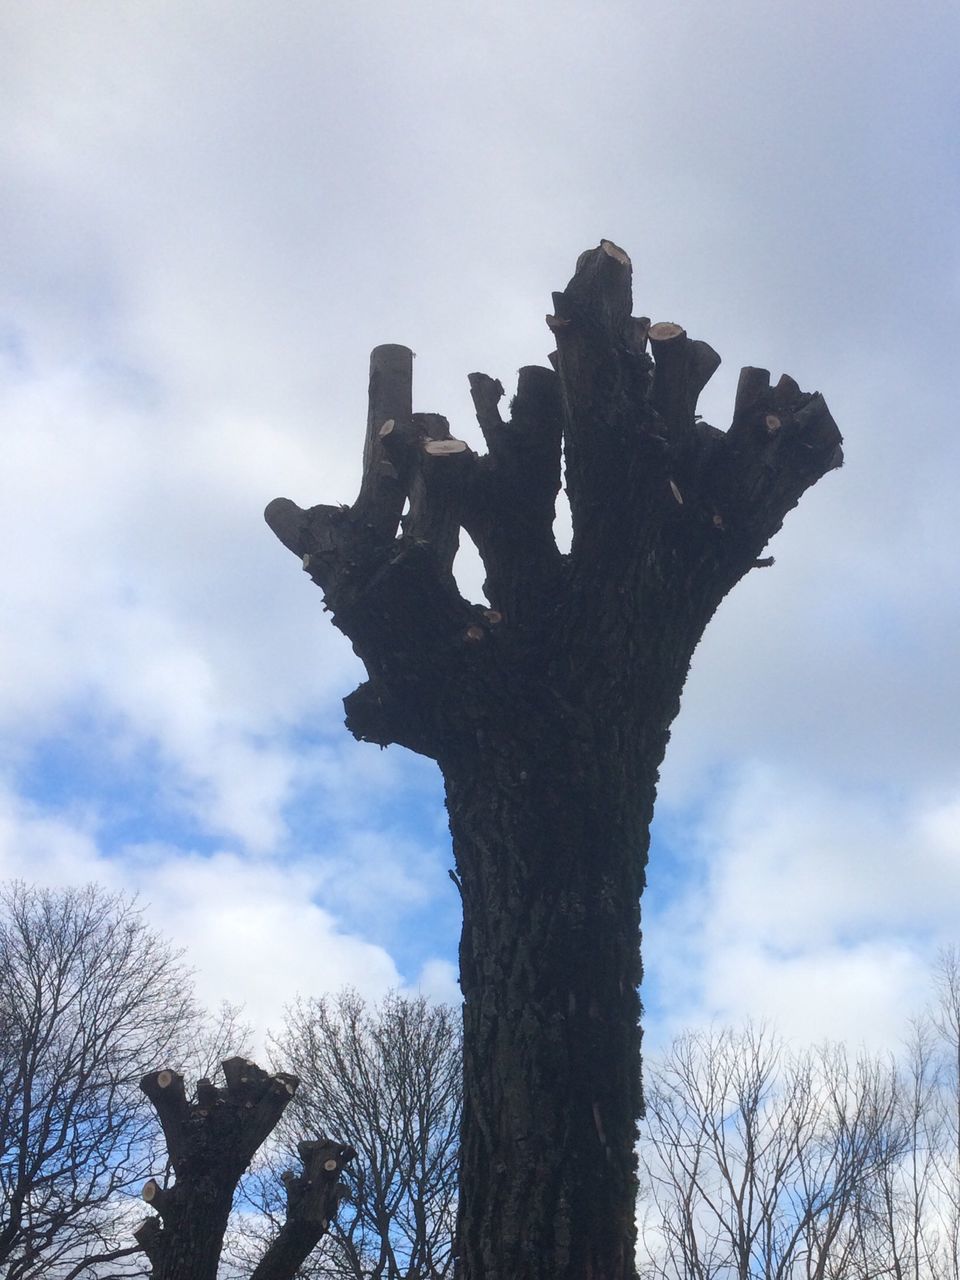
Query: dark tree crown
(654, 492)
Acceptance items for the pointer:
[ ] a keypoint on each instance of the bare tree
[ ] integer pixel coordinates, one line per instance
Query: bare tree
(945, 1022)
(387, 1075)
(896, 1220)
(915, 1216)
(89, 996)
(755, 1159)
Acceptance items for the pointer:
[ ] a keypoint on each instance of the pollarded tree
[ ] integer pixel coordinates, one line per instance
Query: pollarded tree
(211, 1140)
(548, 712)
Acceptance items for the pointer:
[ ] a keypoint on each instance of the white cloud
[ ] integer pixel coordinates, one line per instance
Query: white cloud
(438, 981)
(863, 994)
(211, 215)
(817, 908)
(145, 585)
(255, 931)
(42, 848)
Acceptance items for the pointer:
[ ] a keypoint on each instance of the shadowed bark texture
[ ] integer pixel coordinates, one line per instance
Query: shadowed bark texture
(548, 710)
(210, 1143)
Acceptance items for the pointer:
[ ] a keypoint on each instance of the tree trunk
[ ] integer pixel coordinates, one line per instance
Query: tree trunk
(549, 968)
(549, 712)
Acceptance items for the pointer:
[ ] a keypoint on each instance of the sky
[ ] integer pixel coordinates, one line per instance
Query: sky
(211, 211)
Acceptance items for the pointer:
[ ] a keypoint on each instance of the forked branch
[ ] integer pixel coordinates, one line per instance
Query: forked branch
(210, 1143)
(646, 479)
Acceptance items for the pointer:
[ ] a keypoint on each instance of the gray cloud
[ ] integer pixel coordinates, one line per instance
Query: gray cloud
(212, 212)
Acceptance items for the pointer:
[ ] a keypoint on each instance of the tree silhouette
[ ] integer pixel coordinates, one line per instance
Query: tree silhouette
(88, 994)
(548, 711)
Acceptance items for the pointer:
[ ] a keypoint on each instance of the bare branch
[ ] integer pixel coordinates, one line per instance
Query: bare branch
(312, 1200)
(89, 997)
(390, 1075)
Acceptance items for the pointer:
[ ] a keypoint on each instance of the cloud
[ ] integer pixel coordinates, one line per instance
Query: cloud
(819, 908)
(147, 592)
(48, 849)
(256, 932)
(212, 214)
(860, 995)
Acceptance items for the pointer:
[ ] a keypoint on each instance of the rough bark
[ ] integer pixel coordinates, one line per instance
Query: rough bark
(548, 711)
(312, 1199)
(210, 1143)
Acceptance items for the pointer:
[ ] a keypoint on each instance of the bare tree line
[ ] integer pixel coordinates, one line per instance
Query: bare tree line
(89, 998)
(758, 1162)
(88, 994)
(755, 1159)
(762, 1163)
(389, 1076)
(92, 1000)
